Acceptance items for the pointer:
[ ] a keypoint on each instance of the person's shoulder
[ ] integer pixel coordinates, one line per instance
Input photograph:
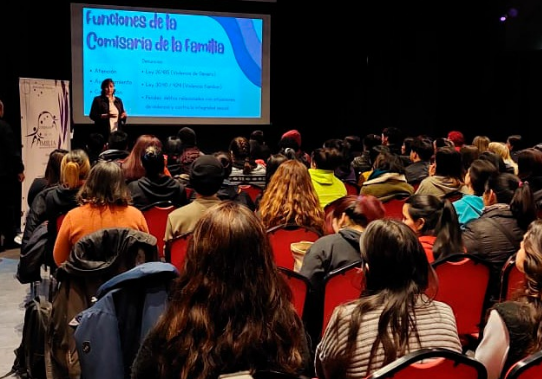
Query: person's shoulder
(134, 211)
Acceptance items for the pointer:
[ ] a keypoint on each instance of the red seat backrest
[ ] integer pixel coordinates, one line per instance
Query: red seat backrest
(252, 190)
(529, 367)
(156, 216)
(176, 248)
(300, 287)
(432, 364)
(394, 208)
(512, 280)
(463, 281)
(341, 285)
(282, 236)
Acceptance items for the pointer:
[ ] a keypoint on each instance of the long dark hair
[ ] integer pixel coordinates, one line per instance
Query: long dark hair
(230, 308)
(440, 220)
(396, 273)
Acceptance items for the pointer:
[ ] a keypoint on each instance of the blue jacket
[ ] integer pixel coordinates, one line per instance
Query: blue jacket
(468, 208)
(109, 333)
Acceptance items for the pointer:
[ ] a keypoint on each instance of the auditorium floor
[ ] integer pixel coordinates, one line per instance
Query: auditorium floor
(12, 298)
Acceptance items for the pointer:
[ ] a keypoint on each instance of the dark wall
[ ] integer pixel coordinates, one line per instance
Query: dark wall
(338, 69)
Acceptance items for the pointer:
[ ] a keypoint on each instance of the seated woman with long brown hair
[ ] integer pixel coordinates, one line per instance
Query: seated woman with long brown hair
(394, 315)
(230, 309)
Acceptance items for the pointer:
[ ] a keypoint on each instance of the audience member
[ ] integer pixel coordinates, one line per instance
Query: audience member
(471, 205)
(244, 169)
(190, 150)
(530, 168)
(512, 330)
(363, 162)
(515, 144)
(387, 180)
(56, 200)
(421, 151)
(445, 175)
(435, 223)
(457, 138)
(345, 171)
(291, 198)
(173, 149)
(206, 177)
(259, 151)
(292, 139)
(50, 178)
(494, 158)
(394, 316)
(230, 310)
(481, 142)
(155, 186)
(469, 153)
(132, 166)
(497, 233)
(271, 165)
(442, 142)
(328, 187)
(350, 216)
(104, 199)
(230, 191)
(117, 147)
(501, 149)
(392, 137)
(373, 153)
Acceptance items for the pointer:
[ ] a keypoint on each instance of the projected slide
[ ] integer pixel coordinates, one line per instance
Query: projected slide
(172, 64)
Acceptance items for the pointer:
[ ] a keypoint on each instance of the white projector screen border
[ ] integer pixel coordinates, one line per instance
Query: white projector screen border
(124, 68)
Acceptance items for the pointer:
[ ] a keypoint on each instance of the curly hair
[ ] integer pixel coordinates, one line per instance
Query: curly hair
(230, 308)
(291, 198)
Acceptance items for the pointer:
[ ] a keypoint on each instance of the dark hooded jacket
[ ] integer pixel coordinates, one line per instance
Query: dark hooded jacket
(47, 206)
(146, 191)
(330, 252)
(94, 259)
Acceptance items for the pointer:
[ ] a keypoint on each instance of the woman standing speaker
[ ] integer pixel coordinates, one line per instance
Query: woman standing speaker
(107, 110)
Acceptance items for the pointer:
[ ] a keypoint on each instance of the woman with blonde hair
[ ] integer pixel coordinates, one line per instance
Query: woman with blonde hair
(58, 200)
(501, 149)
(291, 198)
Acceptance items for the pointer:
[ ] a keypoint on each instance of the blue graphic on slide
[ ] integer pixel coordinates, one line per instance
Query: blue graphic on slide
(242, 39)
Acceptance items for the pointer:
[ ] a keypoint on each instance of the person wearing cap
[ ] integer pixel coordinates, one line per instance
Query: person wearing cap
(206, 177)
(292, 139)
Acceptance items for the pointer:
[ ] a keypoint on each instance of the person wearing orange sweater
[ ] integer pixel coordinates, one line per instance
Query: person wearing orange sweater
(104, 200)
